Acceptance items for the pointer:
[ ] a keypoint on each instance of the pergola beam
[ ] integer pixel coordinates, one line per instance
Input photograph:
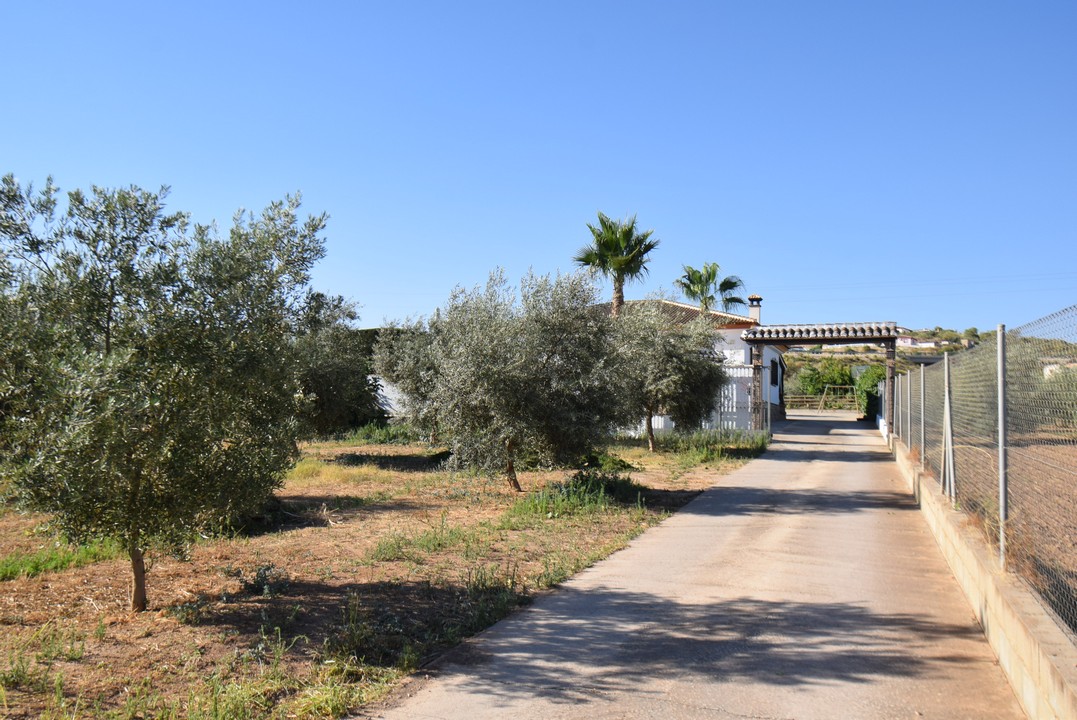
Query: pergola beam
(877, 333)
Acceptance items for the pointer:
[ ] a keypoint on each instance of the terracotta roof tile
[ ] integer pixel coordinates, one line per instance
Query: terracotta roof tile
(833, 332)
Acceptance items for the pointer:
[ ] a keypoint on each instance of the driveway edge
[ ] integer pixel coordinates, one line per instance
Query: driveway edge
(1038, 656)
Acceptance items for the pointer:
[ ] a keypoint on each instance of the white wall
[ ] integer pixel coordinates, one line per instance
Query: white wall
(738, 352)
(734, 348)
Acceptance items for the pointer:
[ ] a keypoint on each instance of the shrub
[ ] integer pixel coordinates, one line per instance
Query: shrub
(867, 390)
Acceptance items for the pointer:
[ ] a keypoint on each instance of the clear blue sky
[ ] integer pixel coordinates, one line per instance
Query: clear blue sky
(909, 161)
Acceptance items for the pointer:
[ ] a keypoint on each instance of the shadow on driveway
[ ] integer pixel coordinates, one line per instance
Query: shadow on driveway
(624, 641)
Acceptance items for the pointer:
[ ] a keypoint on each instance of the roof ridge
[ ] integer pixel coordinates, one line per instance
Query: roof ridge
(839, 331)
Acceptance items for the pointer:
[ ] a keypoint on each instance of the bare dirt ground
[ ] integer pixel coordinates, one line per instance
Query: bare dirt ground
(371, 562)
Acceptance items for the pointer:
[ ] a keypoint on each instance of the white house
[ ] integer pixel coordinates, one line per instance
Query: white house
(908, 341)
(734, 405)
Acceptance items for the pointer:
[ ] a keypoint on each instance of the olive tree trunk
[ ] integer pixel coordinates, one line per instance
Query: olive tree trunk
(138, 576)
(510, 466)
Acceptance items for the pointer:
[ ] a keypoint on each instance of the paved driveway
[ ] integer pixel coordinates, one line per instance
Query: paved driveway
(805, 585)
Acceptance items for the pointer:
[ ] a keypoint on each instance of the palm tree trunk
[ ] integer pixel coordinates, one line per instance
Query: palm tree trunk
(618, 296)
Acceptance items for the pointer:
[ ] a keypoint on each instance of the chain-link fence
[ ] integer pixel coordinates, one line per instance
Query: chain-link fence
(1014, 472)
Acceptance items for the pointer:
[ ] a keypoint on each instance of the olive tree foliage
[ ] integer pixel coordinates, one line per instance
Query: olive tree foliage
(667, 369)
(335, 366)
(500, 375)
(404, 356)
(22, 348)
(156, 395)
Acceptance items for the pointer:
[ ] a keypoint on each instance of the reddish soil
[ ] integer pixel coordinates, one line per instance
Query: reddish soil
(207, 618)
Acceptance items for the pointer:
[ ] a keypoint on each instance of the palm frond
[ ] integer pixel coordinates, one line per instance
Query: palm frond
(705, 287)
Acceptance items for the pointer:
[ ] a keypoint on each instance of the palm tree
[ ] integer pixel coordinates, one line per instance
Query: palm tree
(619, 252)
(706, 288)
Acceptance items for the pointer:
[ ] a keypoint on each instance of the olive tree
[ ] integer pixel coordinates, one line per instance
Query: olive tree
(404, 356)
(502, 375)
(335, 366)
(158, 395)
(666, 368)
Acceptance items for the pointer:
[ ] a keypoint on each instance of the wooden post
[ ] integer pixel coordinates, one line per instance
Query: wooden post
(891, 362)
(757, 387)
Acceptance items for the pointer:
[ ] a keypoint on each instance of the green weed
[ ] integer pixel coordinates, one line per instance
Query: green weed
(704, 446)
(588, 491)
(270, 650)
(22, 672)
(608, 463)
(59, 557)
(392, 434)
(398, 546)
(188, 613)
(377, 637)
(367, 637)
(268, 581)
(225, 699)
(442, 537)
(490, 596)
(393, 548)
(556, 568)
(342, 686)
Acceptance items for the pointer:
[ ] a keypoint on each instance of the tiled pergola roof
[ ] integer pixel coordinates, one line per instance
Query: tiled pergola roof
(822, 334)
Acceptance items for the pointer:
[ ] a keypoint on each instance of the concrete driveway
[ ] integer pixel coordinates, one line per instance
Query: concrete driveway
(804, 585)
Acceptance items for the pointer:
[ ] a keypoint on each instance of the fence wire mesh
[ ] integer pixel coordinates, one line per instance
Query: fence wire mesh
(1041, 404)
(916, 412)
(1041, 440)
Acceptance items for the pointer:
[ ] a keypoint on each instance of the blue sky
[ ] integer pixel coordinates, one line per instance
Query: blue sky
(907, 161)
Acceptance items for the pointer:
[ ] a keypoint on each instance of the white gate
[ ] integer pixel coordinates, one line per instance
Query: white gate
(734, 408)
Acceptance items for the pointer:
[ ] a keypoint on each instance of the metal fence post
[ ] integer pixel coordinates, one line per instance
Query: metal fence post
(946, 462)
(1003, 490)
(950, 435)
(923, 412)
(908, 409)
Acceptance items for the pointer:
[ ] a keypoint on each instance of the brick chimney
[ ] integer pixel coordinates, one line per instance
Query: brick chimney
(755, 308)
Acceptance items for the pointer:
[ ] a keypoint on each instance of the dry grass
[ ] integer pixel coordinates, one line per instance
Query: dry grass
(370, 562)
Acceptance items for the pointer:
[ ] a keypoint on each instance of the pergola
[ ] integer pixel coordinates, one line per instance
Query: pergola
(786, 336)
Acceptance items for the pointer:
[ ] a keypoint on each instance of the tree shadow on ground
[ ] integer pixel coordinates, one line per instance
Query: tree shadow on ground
(376, 622)
(413, 462)
(822, 453)
(738, 500)
(814, 441)
(575, 644)
(295, 512)
(668, 499)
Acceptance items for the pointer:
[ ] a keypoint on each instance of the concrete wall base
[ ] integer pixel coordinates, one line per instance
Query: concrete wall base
(1037, 654)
